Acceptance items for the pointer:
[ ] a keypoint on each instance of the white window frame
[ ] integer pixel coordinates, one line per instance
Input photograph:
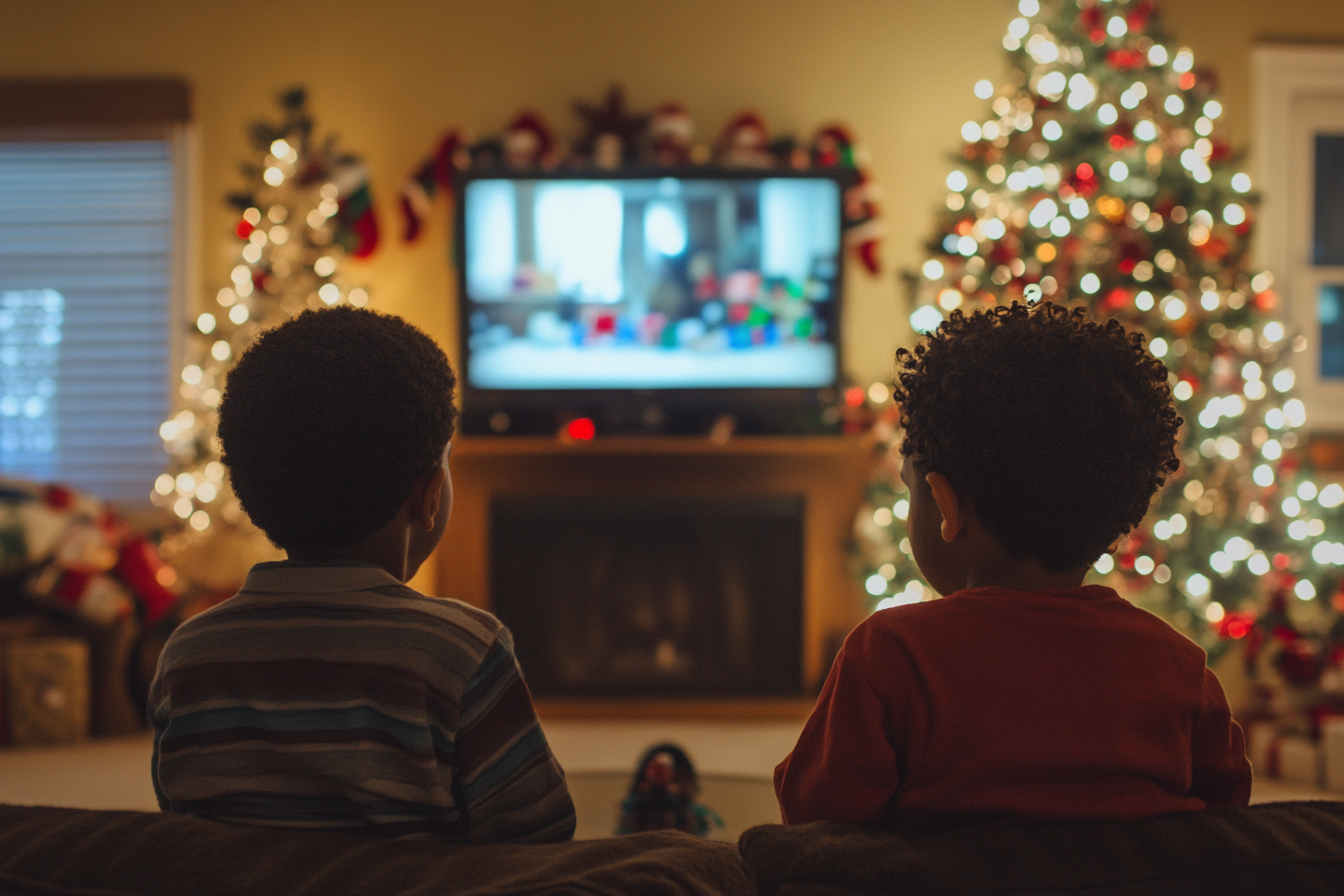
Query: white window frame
(184, 147)
(1298, 93)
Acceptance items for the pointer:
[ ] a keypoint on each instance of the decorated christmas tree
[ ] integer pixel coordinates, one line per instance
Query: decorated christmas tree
(1099, 176)
(304, 210)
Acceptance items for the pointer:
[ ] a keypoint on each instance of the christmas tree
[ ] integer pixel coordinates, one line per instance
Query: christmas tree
(304, 210)
(1101, 177)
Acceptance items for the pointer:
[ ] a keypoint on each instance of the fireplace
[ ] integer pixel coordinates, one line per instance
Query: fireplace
(652, 597)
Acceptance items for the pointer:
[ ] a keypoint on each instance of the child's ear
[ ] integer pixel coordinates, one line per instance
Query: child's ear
(425, 501)
(954, 518)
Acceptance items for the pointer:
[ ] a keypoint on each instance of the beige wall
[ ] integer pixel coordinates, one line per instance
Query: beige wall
(390, 75)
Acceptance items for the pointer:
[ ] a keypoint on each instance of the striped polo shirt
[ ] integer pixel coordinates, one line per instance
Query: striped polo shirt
(333, 696)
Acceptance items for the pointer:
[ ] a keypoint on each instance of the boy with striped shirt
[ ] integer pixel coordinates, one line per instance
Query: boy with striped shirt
(327, 693)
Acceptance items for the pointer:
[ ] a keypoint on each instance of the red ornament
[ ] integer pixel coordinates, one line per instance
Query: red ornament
(1214, 248)
(1285, 634)
(1236, 625)
(1117, 298)
(1125, 59)
(1138, 16)
(1187, 80)
(244, 229)
(1281, 561)
(1084, 181)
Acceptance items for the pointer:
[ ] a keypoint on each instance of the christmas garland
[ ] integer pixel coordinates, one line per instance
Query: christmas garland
(614, 138)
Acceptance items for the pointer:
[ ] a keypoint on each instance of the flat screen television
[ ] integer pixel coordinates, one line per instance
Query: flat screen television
(649, 301)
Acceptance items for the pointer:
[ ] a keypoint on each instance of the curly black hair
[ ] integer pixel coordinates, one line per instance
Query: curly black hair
(1056, 428)
(328, 420)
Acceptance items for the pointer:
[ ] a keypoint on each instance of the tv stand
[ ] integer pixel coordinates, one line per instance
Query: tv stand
(653, 417)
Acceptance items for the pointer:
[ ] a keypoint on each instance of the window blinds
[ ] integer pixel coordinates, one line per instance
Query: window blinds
(86, 274)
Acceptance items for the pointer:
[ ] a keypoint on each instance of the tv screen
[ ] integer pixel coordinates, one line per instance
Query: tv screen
(650, 283)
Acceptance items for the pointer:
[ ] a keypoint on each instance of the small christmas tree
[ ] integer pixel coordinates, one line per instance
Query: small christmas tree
(1101, 178)
(306, 208)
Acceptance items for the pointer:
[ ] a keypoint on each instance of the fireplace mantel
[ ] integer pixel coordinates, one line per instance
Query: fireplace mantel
(828, 472)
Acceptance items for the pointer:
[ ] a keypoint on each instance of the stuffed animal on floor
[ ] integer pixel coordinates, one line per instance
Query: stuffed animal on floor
(663, 796)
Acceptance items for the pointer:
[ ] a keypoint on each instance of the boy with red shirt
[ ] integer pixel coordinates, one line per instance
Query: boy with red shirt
(1034, 439)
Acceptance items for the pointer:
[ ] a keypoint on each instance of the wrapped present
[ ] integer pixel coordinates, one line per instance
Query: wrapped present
(79, 557)
(47, 691)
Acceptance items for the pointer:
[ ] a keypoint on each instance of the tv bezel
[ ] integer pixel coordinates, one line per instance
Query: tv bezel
(633, 410)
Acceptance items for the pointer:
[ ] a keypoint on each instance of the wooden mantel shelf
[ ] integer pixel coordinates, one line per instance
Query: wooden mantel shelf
(516, 446)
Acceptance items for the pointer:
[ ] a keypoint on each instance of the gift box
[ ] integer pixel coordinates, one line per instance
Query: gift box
(46, 691)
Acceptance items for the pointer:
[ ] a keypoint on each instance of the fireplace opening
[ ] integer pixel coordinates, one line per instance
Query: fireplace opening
(634, 597)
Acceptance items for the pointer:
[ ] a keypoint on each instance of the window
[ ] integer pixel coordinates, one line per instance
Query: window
(91, 274)
(1299, 143)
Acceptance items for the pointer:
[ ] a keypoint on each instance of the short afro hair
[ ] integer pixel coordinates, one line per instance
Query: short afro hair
(1057, 429)
(328, 420)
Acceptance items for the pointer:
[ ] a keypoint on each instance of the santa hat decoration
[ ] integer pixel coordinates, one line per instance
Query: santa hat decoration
(528, 142)
(671, 130)
(744, 142)
(434, 174)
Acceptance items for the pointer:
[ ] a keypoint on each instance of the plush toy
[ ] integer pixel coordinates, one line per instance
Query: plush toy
(663, 796)
(744, 142)
(78, 556)
(528, 143)
(671, 130)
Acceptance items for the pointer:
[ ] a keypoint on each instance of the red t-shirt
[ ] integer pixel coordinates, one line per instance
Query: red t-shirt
(1065, 704)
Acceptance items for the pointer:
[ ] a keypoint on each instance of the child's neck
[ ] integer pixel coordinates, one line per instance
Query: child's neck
(1025, 577)
(988, 565)
(387, 547)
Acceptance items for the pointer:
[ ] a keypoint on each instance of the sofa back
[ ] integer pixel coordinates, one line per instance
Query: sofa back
(1274, 848)
(83, 852)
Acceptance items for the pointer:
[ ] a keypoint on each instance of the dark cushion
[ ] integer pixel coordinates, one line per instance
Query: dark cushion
(1295, 848)
(64, 852)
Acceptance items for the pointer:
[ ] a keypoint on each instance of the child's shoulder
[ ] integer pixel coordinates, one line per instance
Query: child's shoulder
(1089, 609)
(297, 597)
